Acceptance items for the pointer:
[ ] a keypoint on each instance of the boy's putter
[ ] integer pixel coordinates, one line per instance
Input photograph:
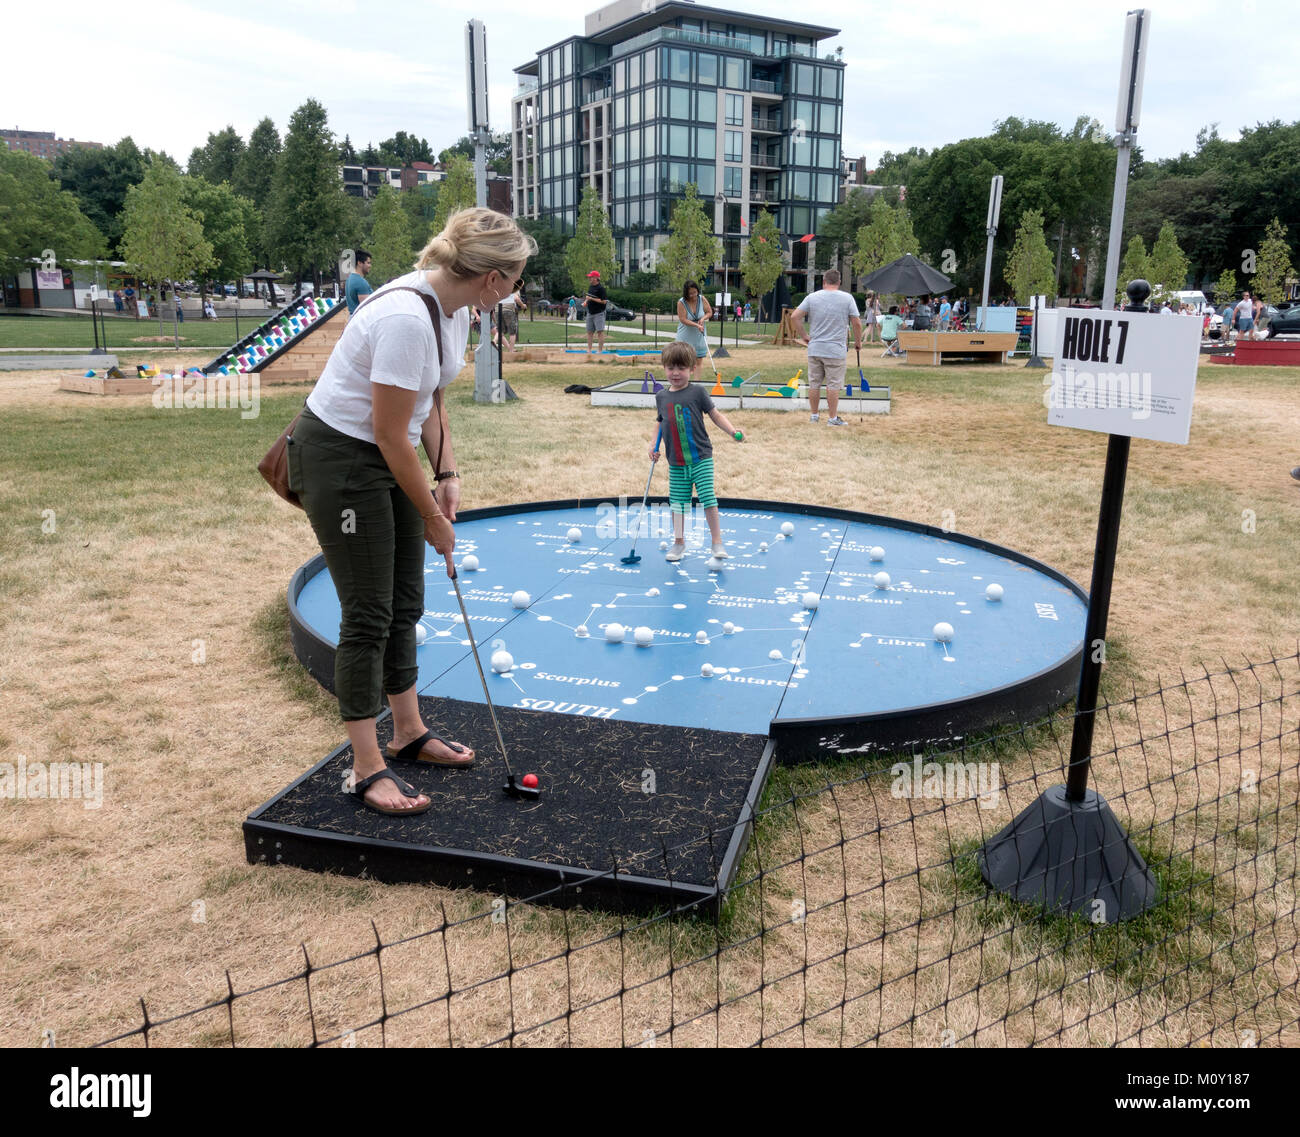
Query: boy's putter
(633, 557)
(512, 787)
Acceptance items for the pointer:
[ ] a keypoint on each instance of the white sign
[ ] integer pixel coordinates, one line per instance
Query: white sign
(719, 299)
(48, 279)
(1130, 373)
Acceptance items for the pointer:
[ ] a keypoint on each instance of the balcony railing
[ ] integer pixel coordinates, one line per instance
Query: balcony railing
(762, 195)
(526, 84)
(763, 87)
(768, 123)
(596, 96)
(763, 159)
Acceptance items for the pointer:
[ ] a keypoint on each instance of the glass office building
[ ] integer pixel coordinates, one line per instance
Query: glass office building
(746, 108)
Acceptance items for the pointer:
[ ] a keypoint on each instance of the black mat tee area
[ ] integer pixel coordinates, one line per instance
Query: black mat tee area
(630, 813)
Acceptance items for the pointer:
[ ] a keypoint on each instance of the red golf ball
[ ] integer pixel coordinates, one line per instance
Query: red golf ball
(530, 780)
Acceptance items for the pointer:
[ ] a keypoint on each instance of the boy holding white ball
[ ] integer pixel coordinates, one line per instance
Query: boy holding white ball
(682, 407)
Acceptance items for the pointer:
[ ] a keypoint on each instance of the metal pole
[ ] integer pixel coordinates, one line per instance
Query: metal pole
(991, 228)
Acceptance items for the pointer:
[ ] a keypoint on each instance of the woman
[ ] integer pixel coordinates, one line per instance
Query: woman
(353, 462)
(873, 317)
(693, 315)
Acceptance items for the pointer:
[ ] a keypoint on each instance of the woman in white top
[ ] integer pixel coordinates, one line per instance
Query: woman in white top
(353, 462)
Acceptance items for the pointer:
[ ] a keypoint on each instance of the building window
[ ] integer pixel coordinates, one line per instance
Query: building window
(679, 65)
(649, 103)
(731, 180)
(735, 110)
(649, 66)
(708, 69)
(679, 102)
(735, 146)
(620, 76)
(633, 145)
(706, 143)
(634, 71)
(679, 141)
(734, 74)
(708, 108)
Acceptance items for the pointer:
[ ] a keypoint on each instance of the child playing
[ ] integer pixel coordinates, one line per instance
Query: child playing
(682, 406)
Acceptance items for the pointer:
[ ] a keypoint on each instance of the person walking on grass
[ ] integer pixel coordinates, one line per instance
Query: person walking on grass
(352, 455)
(596, 300)
(830, 313)
(693, 315)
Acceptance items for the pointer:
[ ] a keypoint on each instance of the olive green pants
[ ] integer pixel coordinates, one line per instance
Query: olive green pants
(372, 536)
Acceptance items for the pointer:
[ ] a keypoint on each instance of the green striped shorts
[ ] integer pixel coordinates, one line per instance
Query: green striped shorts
(680, 480)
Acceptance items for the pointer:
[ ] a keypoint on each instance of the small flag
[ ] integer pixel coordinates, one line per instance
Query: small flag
(806, 238)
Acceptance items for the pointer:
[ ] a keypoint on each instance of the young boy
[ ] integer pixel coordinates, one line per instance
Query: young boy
(682, 406)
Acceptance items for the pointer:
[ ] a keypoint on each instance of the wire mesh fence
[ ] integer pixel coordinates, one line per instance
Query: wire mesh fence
(860, 915)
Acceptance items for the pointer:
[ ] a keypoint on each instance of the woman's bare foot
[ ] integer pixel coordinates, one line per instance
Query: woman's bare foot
(434, 749)
(384, 792)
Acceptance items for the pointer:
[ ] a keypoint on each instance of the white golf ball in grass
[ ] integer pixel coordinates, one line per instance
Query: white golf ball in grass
(810, 599)
(574, 535)
(581, 631)
(706, 669)
(775, 653)
(943, 632)
(614, 633)
(521, 599)
(877, 553)
(644, 636)
(470, 563)
(701, 637)
(787, 528)
(728, 628)
(881, 580)
(994, 592)
(502, 661)
(421, 633)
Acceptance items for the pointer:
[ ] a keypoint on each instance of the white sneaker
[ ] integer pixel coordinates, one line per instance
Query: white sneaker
(814, 418)
(836, 421)
(675, 552)
(719, 551)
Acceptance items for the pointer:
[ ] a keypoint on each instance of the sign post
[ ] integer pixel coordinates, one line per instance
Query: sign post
(1130, 375)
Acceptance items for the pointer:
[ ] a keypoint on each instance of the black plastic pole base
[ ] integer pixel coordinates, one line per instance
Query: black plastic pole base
(1070, 857)
(1036, 361)
(721, 353)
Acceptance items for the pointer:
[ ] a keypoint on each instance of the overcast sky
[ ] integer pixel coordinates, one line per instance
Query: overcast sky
(169, 74)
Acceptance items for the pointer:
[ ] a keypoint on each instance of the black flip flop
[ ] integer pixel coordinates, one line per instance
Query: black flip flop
(412, 751)
(407, 789)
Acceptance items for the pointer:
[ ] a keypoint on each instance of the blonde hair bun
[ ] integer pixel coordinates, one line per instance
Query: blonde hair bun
(477, 241)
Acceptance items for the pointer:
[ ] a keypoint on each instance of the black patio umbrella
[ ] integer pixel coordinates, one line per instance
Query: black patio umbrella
(908, 277)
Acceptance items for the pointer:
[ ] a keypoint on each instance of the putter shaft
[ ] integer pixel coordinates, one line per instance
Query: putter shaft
(482, 678)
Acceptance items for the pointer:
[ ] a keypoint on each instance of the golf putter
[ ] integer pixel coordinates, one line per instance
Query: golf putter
(632, 558)
(511, 787)
(862, 378)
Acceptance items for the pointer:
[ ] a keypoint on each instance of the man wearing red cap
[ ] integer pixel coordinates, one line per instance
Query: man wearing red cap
(596, 300)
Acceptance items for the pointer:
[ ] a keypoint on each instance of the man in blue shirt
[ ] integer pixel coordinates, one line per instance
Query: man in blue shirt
(358, 286)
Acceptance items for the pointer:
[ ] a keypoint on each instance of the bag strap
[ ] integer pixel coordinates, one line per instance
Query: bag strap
(435, 311)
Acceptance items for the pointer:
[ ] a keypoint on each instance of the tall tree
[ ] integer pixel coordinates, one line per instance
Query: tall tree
(226, 219)
(691, 250)
(217, 160)
(36, 215)
(592, 243)
(254, 177)
(455, 191)
(390, 238)
(498, 151)
(1029, 265)
(407, 148)
(885, 238)
(1273, 265)
(420, 203)
(1136, 265)
(1167, 264)
(547, 267)
(99, 179)
(761, 263)
(163, 239)
(1225, 288)
(347, 152)
(309, 216)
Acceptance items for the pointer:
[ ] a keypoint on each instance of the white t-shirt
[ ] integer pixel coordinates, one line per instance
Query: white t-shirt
(389, 341)
(829, 314)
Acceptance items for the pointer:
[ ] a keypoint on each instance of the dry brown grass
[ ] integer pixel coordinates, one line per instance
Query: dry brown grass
(100, 618)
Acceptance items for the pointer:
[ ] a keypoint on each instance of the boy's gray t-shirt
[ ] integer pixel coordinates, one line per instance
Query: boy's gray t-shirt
(829, 314)
(682, 413)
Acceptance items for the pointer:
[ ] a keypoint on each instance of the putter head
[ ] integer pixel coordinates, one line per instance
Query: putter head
(514, 789)
(632, 559)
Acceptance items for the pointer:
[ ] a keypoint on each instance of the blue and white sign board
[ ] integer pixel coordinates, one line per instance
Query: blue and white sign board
(1128, 373)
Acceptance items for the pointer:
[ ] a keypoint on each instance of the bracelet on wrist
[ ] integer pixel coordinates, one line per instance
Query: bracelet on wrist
(446, 475)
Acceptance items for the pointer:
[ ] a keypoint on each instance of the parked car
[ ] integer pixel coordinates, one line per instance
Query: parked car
(552, 307)
(1282, 321)
(612, 312)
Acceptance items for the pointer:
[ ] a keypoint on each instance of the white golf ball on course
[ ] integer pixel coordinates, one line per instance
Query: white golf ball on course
(663, 545)
(810, 599)
(521, 599)
(775, 653)
(994, 592)
(470, 563)
(706, 669)
(787, 528)
(574, 535)
(421, 633)
(701, 637)
(943, 632)
(643, 636)
(881, 580)
(762, 546)
(615, 633)
(715, 563)
(652, 592)
(502, 661)
(728, 628)
(581, 631)
(877, 553)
